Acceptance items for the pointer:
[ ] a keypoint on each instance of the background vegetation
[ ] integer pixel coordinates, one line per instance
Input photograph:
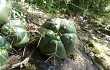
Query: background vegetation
(83, 7)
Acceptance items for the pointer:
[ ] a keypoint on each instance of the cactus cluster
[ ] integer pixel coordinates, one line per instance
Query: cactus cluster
(4, 45)
(58, 36)
(13, 32)
(16, 33)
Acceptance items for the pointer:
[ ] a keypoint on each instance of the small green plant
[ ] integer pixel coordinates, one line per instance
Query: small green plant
(17, 10)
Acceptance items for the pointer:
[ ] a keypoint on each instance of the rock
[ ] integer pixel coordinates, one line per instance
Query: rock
(101, 54)
(80, 62)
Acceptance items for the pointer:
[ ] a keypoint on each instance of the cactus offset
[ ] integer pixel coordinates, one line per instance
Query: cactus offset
(17, 32)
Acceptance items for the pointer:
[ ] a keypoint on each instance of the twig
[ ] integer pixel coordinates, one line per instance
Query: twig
(24, 62)
(39, 41)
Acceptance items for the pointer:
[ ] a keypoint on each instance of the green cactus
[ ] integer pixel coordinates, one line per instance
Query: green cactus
(4, 48)
(17, 32)
(3, 56)
(4, 11)
(4, 44)
(58, 36)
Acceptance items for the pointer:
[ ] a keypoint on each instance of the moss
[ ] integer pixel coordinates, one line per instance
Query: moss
(96, 51)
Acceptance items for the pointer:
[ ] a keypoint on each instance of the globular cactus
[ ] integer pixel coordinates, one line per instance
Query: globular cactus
(58, 37)
(17, 32)
(4, 11)
(3, 56)
(4, 49)
(4, 44)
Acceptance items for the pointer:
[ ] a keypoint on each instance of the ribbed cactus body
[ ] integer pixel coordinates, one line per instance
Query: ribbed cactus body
(4, 44)
(17, 32)
(58, 36)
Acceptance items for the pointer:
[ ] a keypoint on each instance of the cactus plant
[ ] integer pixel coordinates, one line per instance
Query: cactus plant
(59, 37)
(17, 32)
(3, 56)
(4, 48)
(4, 11)
(4, 44)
